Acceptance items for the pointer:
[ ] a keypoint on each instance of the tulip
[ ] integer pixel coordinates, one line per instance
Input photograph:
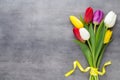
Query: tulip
(77, 34)
(76, 22)
(110, 19)
(85, 35)
(88, 17)
(98, 16)
(108, 36)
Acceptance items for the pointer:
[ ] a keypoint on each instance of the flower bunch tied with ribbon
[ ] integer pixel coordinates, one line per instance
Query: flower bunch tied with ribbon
(93, 34)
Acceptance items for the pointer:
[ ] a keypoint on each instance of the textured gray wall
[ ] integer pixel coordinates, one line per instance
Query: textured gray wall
(36, 39)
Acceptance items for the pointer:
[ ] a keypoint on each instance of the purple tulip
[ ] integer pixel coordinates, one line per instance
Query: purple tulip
(98, 16)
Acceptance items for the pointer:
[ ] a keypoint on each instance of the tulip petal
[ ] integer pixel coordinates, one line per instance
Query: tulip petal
(108, 35)
(76, 22)
(110, 19)
(77, 34)
(88, 15)
(98, 16)
(84, 34)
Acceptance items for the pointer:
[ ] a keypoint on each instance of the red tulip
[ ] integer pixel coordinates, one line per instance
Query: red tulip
(88, 15)
(77, 34)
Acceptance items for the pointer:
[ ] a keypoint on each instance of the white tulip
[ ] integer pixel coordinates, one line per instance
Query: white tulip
(110, 19)
(84, 34)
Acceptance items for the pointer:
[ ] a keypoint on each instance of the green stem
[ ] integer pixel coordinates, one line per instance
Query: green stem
(93, 77)
(91, 53)
(94, 28)
(89, 45)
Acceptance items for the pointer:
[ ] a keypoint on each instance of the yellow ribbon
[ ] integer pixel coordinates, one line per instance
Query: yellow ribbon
(93, 71)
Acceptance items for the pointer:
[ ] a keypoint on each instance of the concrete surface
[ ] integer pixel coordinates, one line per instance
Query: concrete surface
(36, 39)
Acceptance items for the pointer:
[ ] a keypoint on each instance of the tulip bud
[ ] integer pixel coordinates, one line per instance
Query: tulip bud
(108, 35)
(76, 22)
(98, 16)
(77, 34)
(88, 15)
(110, 19)
(84, 34)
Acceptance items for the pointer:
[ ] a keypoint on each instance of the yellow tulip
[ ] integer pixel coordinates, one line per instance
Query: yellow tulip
(76, 22)
(108, 35)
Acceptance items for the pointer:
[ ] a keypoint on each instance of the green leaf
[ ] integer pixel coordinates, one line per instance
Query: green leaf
(99, 30)
(86, 51)
(81, 19)
(86, 26)
(92, 38)
(101, 55)
(99, 39)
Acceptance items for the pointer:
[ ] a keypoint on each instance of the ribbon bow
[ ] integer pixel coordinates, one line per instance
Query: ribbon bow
(93, 71)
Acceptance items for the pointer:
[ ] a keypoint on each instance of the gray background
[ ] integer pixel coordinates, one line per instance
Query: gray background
(36, 39)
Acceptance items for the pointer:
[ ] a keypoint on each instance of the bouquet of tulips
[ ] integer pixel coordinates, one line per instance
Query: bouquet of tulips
(93, 33)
